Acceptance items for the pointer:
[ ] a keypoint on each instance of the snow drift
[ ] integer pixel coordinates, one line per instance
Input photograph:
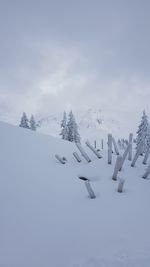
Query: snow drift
(47, 218)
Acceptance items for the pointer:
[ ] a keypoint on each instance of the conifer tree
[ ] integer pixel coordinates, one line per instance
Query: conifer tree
(73, 135)
(32, 123)
(143, 133)
(64, 128)
(76, 133)
(24, 121)
(70, 126)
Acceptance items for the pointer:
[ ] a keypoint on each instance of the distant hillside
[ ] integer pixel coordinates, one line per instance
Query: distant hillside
(93, 124)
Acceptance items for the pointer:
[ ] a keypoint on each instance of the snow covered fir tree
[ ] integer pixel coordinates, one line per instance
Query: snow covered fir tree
(73, 135)
(143, 134)
(69, 129)
(64, 129)
(24, 121)
(32, 123)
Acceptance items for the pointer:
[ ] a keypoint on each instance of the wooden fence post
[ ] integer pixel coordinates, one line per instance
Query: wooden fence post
(146, 155)
(77, 157)
(124, 156)
(93, 150)
(120, 185)
(115, 146)
(138, 152)
(89, 189)
(117, 167)
(109, 148)
(147, 172)
(130, 142)
(83, 153)
(102, 144)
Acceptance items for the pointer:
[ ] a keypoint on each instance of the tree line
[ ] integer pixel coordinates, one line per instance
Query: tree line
(28, 123)
(69, 130)
(69, 127)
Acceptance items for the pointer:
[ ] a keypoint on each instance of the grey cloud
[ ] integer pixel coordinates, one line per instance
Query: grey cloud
(58, 54)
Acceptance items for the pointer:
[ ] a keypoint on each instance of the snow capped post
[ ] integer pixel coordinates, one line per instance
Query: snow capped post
(115, 146)
(146, 155)
(102, 144)
(120, 185)
(138, 152)
(83, 153)
(130, 150)
(94, 143)
(89, 189)
(77, 157)
(119, 143)
(109, 148)
(147, 172)
(125, 155)
(93, 149)
(117, 167)
(123, 144)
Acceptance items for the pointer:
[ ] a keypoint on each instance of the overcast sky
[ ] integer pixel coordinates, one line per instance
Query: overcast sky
(62, 54)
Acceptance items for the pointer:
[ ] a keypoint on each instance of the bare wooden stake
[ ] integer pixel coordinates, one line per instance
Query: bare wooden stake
(120, 185)
(117, 167)
(83, 153)
(60, 159)
(93, 149)
(89, 189)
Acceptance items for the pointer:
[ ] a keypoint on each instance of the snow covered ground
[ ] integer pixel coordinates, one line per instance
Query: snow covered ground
(47, 219)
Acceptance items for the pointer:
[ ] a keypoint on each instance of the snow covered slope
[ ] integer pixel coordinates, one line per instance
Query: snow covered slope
(47, 218)
(93, 124)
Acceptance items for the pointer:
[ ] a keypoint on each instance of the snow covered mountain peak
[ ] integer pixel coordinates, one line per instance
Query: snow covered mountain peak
(91, 119)
(93, 124)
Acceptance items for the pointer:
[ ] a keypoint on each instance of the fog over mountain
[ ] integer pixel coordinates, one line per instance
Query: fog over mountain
(93, 124)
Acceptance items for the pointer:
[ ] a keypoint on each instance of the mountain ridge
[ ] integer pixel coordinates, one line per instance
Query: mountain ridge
(92, 123)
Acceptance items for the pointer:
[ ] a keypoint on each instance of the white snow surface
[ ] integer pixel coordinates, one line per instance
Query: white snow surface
(47, 218)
